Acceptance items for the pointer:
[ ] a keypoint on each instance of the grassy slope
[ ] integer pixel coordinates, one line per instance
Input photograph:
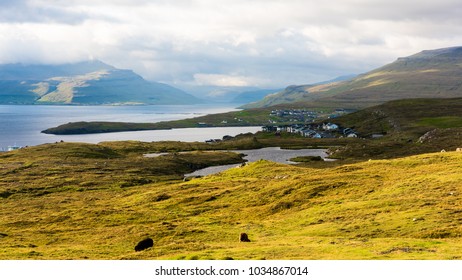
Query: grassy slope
(412, 116)
(68, 201)
(429, 74)
(96, 201)
(411, 126)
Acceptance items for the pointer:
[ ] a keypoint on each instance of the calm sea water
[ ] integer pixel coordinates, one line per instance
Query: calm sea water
(22, 125)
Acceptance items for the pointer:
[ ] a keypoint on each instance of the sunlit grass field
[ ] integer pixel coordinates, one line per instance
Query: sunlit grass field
(81, 201)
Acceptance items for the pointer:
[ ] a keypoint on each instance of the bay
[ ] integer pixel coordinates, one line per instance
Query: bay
(21, 125)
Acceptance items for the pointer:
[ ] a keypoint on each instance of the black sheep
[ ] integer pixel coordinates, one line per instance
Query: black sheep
(144, 244)
(243, 237)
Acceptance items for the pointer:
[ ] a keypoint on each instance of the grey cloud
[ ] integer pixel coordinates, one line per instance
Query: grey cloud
(22, 14)
(25, 11)
(275, 41)
(296, 64)
(12, 3)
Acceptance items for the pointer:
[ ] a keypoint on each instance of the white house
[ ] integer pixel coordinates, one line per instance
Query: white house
(329, 126)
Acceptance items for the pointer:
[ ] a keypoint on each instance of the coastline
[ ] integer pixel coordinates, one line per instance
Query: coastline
(22, 124)
(177, 134)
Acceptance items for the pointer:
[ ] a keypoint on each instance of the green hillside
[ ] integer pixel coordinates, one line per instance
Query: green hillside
(428, 74)
(411, 116)
(82, 201)
(408, 127)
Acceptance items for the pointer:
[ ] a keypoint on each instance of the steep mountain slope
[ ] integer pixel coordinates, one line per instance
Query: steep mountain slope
(428, 74)
(90, 82)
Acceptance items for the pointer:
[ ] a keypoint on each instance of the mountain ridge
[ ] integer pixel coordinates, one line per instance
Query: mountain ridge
(83, 83)
(427, 74)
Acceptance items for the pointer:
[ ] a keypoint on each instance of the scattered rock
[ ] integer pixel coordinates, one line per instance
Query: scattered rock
(162, 197)
(34, 254)
(406, 250)
(427, 136)
(212, 198)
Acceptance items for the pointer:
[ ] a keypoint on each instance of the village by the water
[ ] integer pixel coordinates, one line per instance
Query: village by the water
(301, 122)
(304, 122)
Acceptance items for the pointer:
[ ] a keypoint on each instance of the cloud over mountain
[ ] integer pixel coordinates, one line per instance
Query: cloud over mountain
(265, 43)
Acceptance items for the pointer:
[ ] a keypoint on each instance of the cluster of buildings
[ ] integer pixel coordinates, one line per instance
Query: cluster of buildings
(10, 148)
(295, 115)
(324, 130)
(304, 123)
(304, 116)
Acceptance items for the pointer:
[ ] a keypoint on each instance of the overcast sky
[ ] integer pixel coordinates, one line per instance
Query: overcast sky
(263, 43)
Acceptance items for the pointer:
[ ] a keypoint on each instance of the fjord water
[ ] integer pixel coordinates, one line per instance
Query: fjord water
(21, 125)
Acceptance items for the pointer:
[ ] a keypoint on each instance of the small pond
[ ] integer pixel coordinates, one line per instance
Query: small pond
(275, 154)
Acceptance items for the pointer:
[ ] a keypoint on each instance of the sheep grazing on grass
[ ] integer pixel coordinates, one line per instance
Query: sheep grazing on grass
(459, 150)
(144, 244)
(244, 237)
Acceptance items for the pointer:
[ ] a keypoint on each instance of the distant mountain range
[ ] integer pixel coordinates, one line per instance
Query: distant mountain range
(253, 95)
(228, 94)
(84, 83)
(428, 74)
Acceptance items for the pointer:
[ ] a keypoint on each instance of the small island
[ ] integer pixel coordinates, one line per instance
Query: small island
(100, 127)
